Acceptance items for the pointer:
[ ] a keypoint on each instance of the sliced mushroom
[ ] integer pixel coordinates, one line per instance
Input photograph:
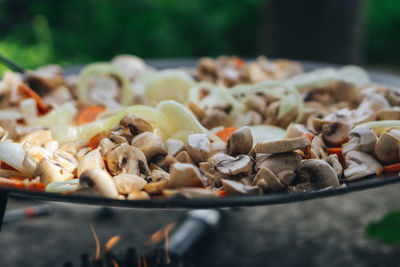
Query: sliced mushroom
(319, 147)
(216, 118)
(360, 164)
(67, 160)
(41, 138)
(281, 146)
(236, 188)
(241, 164)
(127, 159)
(118, 139)
(334, 133)
(106, 145)
(159, 175)
(240, 142)
(33, 155)
(174, 147)
(296, 130)
(318, 172)
(81, 153)
(135, 124)
(198, 147)
(50, 171)
(217, 147)
(219, 157)
(97, 182)
(190, 192)
(184, 175)
(92, 160)
(151, 144)
(388, 114)
(362, 138)
(184, 157)
(138, 195)
(387, 148)
(268, 181)
(74, 147)
(156, 188)
(256, 102)
(127, 183)
(333, 160)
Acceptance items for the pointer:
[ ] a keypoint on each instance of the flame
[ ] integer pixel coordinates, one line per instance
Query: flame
(144, 261)
(114, 263)
(160, 234)
(96, 238)
(110, 243)
(139, 261)
(166, 234)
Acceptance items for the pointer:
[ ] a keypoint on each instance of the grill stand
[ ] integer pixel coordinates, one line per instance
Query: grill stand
(3, 206)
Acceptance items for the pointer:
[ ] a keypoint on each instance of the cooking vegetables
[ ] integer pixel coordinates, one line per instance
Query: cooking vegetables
(229, 127)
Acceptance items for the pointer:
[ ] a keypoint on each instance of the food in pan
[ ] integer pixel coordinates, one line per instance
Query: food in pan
(125, 130)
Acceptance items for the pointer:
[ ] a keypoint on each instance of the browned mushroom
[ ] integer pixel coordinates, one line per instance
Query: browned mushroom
(240, 164)
(387, 148)
(132, 125)
(127, 159)
(318, 172)
(267, 180)
(334, 133)
(216, 117)
(388, 114)
(198, 147)
(185, 175)
(362, 138)
(174, 147)
(281, 146)
(236, 188)
(151, 144)
(333, 160)
(240, 142)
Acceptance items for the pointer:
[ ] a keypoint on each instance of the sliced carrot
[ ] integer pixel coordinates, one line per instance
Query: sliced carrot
(5, 166)
(307, 150)
(203, 93)
(392, 168)
(94, 141)
(224, 134)
(27, 92)
(338, 152)
(37, 186)
(222, 193)
(239, 62)
(89, 114)
(7, 183)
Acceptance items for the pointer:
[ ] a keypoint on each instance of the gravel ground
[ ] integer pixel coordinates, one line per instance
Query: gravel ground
(325, 232)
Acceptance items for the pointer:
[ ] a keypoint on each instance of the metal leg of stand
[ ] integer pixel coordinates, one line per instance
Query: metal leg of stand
(3, 206)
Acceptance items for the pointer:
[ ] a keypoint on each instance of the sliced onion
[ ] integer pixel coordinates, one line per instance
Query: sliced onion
(13, 154)
(381, 126)
(62, 187)
(60, 115)
(266, 133)
(29, 110)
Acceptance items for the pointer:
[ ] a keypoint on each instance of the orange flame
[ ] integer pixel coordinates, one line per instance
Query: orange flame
(110, 243)
(96, 239)
(166, 234)
(114, 263)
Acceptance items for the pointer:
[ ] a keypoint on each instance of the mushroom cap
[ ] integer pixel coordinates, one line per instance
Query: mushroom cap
(105, 146)
(97, 182)
(236, 188)
(240, 164)
(387, 148)
(333, 160)
(92, 160)
(174, 147)
(282, 146)
(334, 133)
(318, 172)
(127, 183)
(50, 171)
(268, 180)
(362, 138)
(136, 124)
(127, 159)
(278, 162)
(240, 142)
(198, 147)
(151, 144)
(184, 175)
(360, 164)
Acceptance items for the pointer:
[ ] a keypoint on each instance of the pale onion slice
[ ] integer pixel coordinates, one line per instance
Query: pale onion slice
(13, 154)
(62, 187)
(9, 173)
(183, 120)
(29, 110)
(266, 133)
(60, 115)
(381, 126)
(172, 84)
(11, 114)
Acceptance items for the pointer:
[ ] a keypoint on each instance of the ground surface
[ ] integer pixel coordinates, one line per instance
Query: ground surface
(325, 232)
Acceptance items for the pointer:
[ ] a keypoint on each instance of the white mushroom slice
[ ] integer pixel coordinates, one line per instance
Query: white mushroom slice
(282, 146)
(159, 175)
(334, 133)
(388, 114)
(387, 148)
(184, 157)
(360, 164)
(174, 147)
(127, 159)
(318, 172)
(267, 180)
(118, 139)
(74, 147)
(151, 144)
(333, 160)
(65, 159)
(217, 147)
(362, 138)
(296, 130)
(190, 192)
(236, 188)
(184, 175)
(136, 124)
(34, 155)
(217, 158)
(97, 182)
(105, 146)
(319, 147)
(138, 195)
(132, 66)
(50, 171)
(240, 164)
(92, 160)
(278, 163)
(81, 153)
(127, 183)
(198, 147)
(38, 138)
(256, 103)
(240, 142)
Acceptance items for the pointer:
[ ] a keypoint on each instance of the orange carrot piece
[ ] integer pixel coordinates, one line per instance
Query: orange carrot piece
(27, 92)
(222, 193)
(37, 186)
(224, 134)
(89, 114)
(338, 152)
(94, 141)
(307, 150)
(7, 183)
(392, 168)
(239, 62)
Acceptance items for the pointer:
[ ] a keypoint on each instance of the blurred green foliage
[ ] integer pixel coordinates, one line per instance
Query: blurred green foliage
(387, 229)
(43, 31)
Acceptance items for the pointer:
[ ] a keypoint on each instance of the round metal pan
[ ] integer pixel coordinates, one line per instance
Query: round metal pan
(239, 201)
